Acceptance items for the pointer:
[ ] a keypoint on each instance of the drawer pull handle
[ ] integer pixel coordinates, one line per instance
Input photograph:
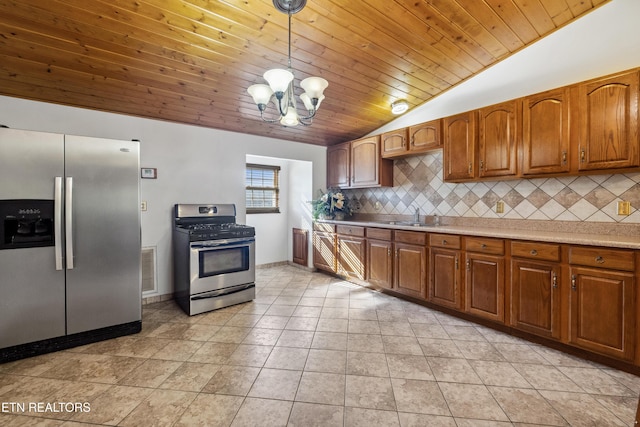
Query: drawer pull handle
(555, 281)
(573, 283)
(444, 242)
(483, 246)
(599, 260)
(533, 252)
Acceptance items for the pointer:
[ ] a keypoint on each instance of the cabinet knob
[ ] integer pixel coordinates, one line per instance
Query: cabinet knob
(574, 286)
(444, 242)
(554, 280)
(564, 157)
(583, 155)
(483, 246)
(599, 260)
(533, 252)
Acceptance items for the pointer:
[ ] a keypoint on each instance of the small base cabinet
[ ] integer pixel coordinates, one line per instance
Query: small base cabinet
(324, 247)
(602, 301)
(351, 252)
(380, 257)
(410, 263)
(484, 296)
(445, 275)
(535, 288)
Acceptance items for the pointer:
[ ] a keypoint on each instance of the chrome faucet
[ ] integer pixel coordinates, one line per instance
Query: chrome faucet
(416, 215)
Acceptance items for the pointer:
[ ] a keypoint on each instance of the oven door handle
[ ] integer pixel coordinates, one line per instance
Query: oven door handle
(227, 291)
(221, 243)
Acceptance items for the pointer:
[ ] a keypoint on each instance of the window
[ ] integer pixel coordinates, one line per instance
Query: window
(262, 188)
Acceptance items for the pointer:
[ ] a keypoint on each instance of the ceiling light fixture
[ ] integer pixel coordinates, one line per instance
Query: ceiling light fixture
(281, 83)
(399, 106)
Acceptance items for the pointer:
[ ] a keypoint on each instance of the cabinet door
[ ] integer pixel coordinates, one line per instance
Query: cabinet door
(602, 311)
(444, 287)
(497, 139)
(380, 263)
(351, 256)
(365, 158)
(459, 134)
(484, 295)
(608, 122)
(324, 251)
(545, 133)
(535, 297)
(411, 269)
(338, 163)
(425, 136)
(394, 143)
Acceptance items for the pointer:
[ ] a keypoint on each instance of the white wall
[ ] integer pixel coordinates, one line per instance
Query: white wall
(603, 42)
(274, 231)
(195, 164)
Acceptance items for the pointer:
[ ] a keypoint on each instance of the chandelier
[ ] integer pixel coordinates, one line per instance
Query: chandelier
(281, 84)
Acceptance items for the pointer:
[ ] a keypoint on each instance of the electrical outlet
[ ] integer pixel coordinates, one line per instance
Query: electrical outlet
(500, 207)
(143, 206)
(624, 207)
(377, 206)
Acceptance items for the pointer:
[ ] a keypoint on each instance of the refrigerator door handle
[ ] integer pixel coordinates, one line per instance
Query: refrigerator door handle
(68, 210)
(57, 218)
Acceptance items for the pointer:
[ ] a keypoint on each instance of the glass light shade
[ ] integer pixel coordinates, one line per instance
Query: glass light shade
(307, 102)
(278, 79)
(261, 93)
(399, 107)
(314, 86)
(291, 118)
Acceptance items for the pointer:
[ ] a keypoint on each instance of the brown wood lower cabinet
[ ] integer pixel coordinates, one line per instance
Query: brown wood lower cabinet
(445, 280)
(535, 297)
(351, 251)
(580, 296)
(485, 266)
(380, 263)
(536, 288)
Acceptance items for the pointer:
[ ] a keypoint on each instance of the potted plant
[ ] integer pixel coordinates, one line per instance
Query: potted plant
(331, 205)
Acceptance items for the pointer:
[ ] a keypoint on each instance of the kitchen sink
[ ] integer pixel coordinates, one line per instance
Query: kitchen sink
(409, 223)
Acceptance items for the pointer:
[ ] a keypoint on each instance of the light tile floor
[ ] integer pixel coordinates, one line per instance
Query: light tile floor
(313, 350)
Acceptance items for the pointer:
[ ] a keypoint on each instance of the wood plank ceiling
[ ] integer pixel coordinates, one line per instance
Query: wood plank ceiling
(191, 61)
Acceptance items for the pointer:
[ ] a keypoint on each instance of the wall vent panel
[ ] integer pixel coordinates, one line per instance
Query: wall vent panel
(149, 270)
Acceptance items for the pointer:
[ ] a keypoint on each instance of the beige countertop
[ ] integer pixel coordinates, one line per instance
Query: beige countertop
(627, 237)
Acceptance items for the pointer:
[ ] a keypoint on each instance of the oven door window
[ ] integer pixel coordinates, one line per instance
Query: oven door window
(223, 260)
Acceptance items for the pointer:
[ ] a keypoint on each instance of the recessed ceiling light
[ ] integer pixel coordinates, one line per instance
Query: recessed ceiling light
(399, 106)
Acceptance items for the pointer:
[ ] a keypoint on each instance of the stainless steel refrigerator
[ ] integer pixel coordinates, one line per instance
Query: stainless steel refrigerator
(69, 241)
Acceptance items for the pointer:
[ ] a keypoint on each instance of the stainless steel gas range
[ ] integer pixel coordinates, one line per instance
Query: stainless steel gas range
(214, 258)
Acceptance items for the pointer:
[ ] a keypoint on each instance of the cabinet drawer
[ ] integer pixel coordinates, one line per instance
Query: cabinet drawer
(444, 241)
(379, 233)
(413, 237)
(602, 258)
(322, 226)
(536, 250)
(485, 246)
(350, 230)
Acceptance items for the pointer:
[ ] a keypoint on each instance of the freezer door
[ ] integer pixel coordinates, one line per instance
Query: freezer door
(32, 300)
(103, 267)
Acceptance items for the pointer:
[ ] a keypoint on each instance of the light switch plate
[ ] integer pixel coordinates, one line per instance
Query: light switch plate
(143, 206)
(500, 207)
(624, 207)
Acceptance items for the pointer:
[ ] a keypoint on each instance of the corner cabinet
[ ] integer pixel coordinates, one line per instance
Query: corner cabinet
(608, 121)
(358, 164)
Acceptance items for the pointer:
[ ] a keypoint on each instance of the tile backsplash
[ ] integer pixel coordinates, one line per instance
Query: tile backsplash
(418, 183)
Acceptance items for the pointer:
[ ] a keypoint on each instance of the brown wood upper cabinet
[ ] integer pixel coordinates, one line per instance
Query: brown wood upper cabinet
(417, 139)
(545, 133)
(338, 165)
(459, 136)
(497, 139)
(608, 119)
(358, 164)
